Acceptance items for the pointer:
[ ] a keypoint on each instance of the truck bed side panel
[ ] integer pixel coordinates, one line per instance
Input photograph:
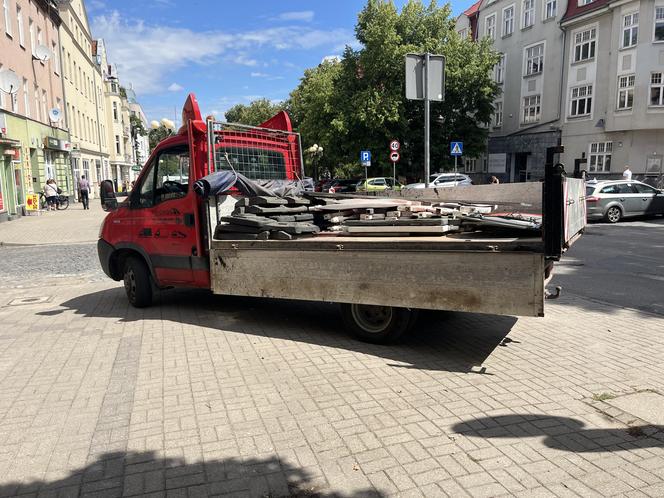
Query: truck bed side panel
(506, 283)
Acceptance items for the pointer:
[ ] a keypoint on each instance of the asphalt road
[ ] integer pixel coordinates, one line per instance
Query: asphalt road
(620, 264)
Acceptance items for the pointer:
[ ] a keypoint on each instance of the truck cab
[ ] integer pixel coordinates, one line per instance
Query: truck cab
(159, 230)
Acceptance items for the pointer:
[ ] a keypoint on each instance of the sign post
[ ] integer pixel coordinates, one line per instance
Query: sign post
(365, 160)
(456, 149)
(425, 80)
(394, 157)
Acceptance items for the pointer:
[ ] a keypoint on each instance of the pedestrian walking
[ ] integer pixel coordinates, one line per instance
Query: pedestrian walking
(84, 191)
(494, 180)
(51, 193)
(627, 174)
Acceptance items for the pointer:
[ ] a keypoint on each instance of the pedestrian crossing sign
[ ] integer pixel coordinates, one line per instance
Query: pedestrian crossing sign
(456, 148)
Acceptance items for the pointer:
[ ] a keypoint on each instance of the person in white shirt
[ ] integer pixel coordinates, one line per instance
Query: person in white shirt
(627, 174)
(51, 193)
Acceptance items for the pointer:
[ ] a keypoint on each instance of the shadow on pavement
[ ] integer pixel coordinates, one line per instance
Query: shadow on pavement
(563, 433)
(449, 341)
(140, 474)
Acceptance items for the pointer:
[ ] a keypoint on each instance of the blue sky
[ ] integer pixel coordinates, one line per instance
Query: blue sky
(225, 52)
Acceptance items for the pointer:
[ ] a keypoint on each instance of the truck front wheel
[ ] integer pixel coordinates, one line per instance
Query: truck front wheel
(377, 324)
(137, 283)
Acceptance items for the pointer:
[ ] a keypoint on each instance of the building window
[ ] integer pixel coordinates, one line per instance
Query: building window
(528, 13)
(8, 21)
(117, 144)
(498, 114)
(656, 89)
(532, 109)
(581, 101)
(26, 98)
(56, 57)
(508, 20)
(19, 25)
(630, 32)
(115, 112)
(471, 165)
(584, 44)
(40, 38)
(626, 91)
(31, 30)
(585, 2)
(44, 107)
(659, 24)
(599, 159)
(500, 69)
(490, 26)
(463, 34)
(535, 59)
(549, 9)
(36, 95)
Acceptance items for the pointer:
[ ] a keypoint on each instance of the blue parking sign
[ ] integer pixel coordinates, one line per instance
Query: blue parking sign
(365, 157)
(456, 148)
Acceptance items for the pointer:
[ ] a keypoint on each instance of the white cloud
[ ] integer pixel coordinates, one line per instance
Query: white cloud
(174, 87)
(146, 54)
(331, 58)
(96, 5)
(259, 75)
(301, 15)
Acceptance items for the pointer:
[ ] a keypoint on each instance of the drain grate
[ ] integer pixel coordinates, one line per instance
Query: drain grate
(21, 301)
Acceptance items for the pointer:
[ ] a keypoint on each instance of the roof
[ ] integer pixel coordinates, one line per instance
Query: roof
(473, 9)
(576, 10)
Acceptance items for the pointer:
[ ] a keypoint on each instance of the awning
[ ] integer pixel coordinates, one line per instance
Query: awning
(10, 142)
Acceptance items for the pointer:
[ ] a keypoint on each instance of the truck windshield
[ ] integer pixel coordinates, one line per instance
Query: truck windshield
(253, 162)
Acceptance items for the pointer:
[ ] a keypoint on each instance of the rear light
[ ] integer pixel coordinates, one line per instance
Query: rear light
(592, 198)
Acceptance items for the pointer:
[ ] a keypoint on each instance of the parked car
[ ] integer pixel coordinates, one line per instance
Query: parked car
(322, 185)
(444, 180)
(341, 186)
(614, 200)
(377, 184)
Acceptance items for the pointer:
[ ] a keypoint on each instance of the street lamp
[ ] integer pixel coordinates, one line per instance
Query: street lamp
(316, 152)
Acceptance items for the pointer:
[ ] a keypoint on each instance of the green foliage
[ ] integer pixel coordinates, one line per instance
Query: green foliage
(253, 114)
(359, 102)
(156, 135)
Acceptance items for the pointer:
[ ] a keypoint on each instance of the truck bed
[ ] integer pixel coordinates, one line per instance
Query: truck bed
(453, 272)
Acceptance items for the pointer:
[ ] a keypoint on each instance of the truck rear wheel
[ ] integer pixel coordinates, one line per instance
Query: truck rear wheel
(377, 324)
(137, 282)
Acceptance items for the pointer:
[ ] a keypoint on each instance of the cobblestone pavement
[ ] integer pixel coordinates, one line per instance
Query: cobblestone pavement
(203, 395)
(73, 225)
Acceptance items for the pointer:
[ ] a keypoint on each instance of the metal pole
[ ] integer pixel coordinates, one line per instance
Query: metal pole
(426, 120)
(455, 167)
(366, 178)
(394, 173)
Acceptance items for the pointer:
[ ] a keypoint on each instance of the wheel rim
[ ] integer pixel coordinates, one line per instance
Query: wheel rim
(130, 283)
(372, 319)
(613, 214)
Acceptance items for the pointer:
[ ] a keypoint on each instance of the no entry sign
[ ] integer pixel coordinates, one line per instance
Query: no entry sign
(394, 157)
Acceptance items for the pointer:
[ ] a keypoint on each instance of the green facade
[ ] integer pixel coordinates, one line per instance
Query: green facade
(39, 159)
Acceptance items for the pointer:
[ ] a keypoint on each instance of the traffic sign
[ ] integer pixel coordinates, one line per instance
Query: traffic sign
(456, 148)
(394, 157)
(365, 157)
(395, 145)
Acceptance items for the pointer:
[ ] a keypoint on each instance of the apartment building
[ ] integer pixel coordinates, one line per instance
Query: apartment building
(119, 128)
(83, 90)
(34, 143)
(527, 116)
(614, 87)
(140, 143)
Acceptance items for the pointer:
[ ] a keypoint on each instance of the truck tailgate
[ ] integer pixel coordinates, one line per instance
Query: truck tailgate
(437, 276)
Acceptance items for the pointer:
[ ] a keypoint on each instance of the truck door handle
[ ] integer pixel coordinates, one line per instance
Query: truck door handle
(189, 219)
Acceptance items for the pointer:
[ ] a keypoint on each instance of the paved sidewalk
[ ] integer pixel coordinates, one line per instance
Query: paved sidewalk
(202, 395)
(70, 226)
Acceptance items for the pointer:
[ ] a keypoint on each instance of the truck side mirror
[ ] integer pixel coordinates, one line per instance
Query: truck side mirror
(107, 195)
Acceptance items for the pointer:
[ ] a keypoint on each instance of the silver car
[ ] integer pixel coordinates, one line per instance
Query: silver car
(437, 180)
(614, 200)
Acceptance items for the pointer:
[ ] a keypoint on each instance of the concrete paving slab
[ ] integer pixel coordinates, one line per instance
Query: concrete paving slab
(648, 406)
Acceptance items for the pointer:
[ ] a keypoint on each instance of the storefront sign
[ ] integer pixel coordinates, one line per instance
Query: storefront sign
(57, 144)
(32, 202)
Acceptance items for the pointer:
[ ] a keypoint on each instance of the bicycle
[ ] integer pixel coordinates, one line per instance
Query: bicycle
(61, 202)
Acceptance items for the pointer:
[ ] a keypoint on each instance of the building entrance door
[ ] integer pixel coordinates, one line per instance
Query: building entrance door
(521, 167)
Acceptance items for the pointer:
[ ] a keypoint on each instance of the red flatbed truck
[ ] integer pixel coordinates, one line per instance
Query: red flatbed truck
(162, 236)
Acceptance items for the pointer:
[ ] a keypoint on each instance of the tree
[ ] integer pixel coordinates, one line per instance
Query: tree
(157, 134)
(255, 113)
(359, 103)
(137, 131)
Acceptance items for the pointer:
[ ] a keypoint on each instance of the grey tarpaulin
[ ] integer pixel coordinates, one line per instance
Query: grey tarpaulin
(222, 181)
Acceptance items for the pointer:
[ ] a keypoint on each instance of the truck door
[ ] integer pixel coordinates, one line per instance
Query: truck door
(164, 205)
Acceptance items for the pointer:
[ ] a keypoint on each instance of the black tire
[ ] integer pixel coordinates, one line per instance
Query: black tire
(377, 324)
(63, 203)
(137, 282)
(613, 214)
